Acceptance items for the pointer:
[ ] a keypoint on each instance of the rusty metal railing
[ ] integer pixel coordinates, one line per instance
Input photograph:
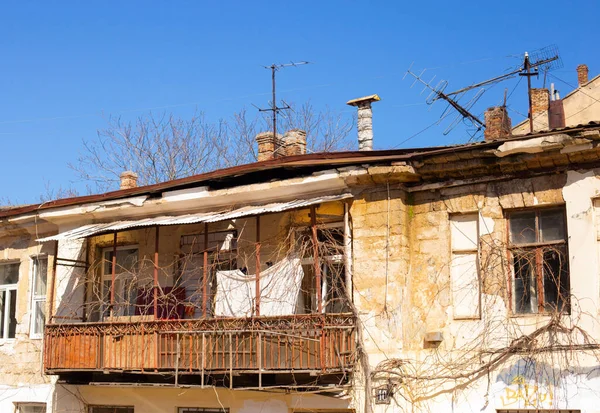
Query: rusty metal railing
(301, 343)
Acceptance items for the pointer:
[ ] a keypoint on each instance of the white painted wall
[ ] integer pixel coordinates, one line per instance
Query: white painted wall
(166, 400)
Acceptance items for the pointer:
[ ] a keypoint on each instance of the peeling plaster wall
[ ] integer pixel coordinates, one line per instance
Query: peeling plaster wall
(420, 300)
(21, 377)
(380, 266)
(401, 279)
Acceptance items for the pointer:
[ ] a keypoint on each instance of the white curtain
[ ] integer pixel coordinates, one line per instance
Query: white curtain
(279, 289)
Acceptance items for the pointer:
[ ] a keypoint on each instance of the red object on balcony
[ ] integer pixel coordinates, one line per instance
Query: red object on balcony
(170, 302)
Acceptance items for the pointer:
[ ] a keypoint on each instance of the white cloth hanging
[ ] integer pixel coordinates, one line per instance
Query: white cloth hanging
(279, 289)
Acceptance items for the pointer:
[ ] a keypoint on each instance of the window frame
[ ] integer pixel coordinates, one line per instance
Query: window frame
(105, 306)
(7, 304)
(192, 248)
(455, 252)
(325, 261)
(35, 299)
(537, 247)
(19, 406)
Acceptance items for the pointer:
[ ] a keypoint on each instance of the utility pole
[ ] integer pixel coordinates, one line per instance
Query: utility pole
(527, 72)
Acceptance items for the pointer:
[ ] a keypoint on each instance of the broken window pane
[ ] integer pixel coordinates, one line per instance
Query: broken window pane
(522, 228)
(525, 287)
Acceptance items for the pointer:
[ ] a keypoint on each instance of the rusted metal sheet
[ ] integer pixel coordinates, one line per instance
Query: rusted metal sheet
(309, 343)
(77, 349)
(312, 161)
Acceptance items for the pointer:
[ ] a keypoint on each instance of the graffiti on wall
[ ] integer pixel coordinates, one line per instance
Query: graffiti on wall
(528, 385)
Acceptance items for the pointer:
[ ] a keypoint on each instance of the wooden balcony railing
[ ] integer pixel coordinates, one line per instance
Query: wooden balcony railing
(313, 343)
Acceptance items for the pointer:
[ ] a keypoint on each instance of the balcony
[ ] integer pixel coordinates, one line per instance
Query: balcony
(231, 352)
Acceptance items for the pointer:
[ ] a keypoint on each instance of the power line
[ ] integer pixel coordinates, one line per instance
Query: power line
(581, 91)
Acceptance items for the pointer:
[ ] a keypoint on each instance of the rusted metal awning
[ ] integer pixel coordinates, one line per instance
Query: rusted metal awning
(250, 210)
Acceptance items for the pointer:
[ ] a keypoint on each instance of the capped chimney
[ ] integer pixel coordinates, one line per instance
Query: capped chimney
(294, 143)
(497, 124)
(268, 145)
(364, 121)
(128, 180)
(582, 74)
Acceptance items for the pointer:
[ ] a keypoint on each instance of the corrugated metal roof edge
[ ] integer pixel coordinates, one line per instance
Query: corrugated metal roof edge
(165, 220)
(332, 158)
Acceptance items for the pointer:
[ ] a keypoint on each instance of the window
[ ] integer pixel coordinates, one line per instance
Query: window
(222, 256)
(464, 274)
(31, 407)
(201, 410)
(540, 265)
(9, 276)
(38, 295)
(330, 238)
(111, 409)
(125, 295)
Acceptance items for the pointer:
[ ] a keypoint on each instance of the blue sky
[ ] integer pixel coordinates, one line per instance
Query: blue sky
(67, 66)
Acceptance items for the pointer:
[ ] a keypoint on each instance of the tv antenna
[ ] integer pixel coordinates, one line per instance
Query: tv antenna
(544, 59)
(274, 109)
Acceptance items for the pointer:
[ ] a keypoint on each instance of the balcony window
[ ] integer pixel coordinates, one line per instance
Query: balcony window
(540, 265)
(125, 288)
(9, 276)
(330, 238)
(38, 295)
(222, 256)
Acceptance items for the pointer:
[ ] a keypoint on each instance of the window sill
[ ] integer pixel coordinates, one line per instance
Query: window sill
(535, 315)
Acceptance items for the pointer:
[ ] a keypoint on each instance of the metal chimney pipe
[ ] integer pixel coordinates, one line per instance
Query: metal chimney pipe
(364, 121)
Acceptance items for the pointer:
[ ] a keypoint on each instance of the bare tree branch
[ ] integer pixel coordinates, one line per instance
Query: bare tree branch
(163, 147)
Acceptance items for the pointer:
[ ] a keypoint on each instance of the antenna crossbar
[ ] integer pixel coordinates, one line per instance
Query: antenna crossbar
(274, 109)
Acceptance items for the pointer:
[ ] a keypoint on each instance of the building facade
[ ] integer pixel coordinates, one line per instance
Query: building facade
(463, 278)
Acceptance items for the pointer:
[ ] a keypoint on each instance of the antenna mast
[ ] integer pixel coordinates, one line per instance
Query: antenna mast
(544, 59)
(274, 109)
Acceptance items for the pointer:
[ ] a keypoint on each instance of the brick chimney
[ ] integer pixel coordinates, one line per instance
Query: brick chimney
(365, 121)
(582, 74)
(128, 180)
(497, 124)
(294, 143)
(540, 99)
(267, 145)
(540, 103)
